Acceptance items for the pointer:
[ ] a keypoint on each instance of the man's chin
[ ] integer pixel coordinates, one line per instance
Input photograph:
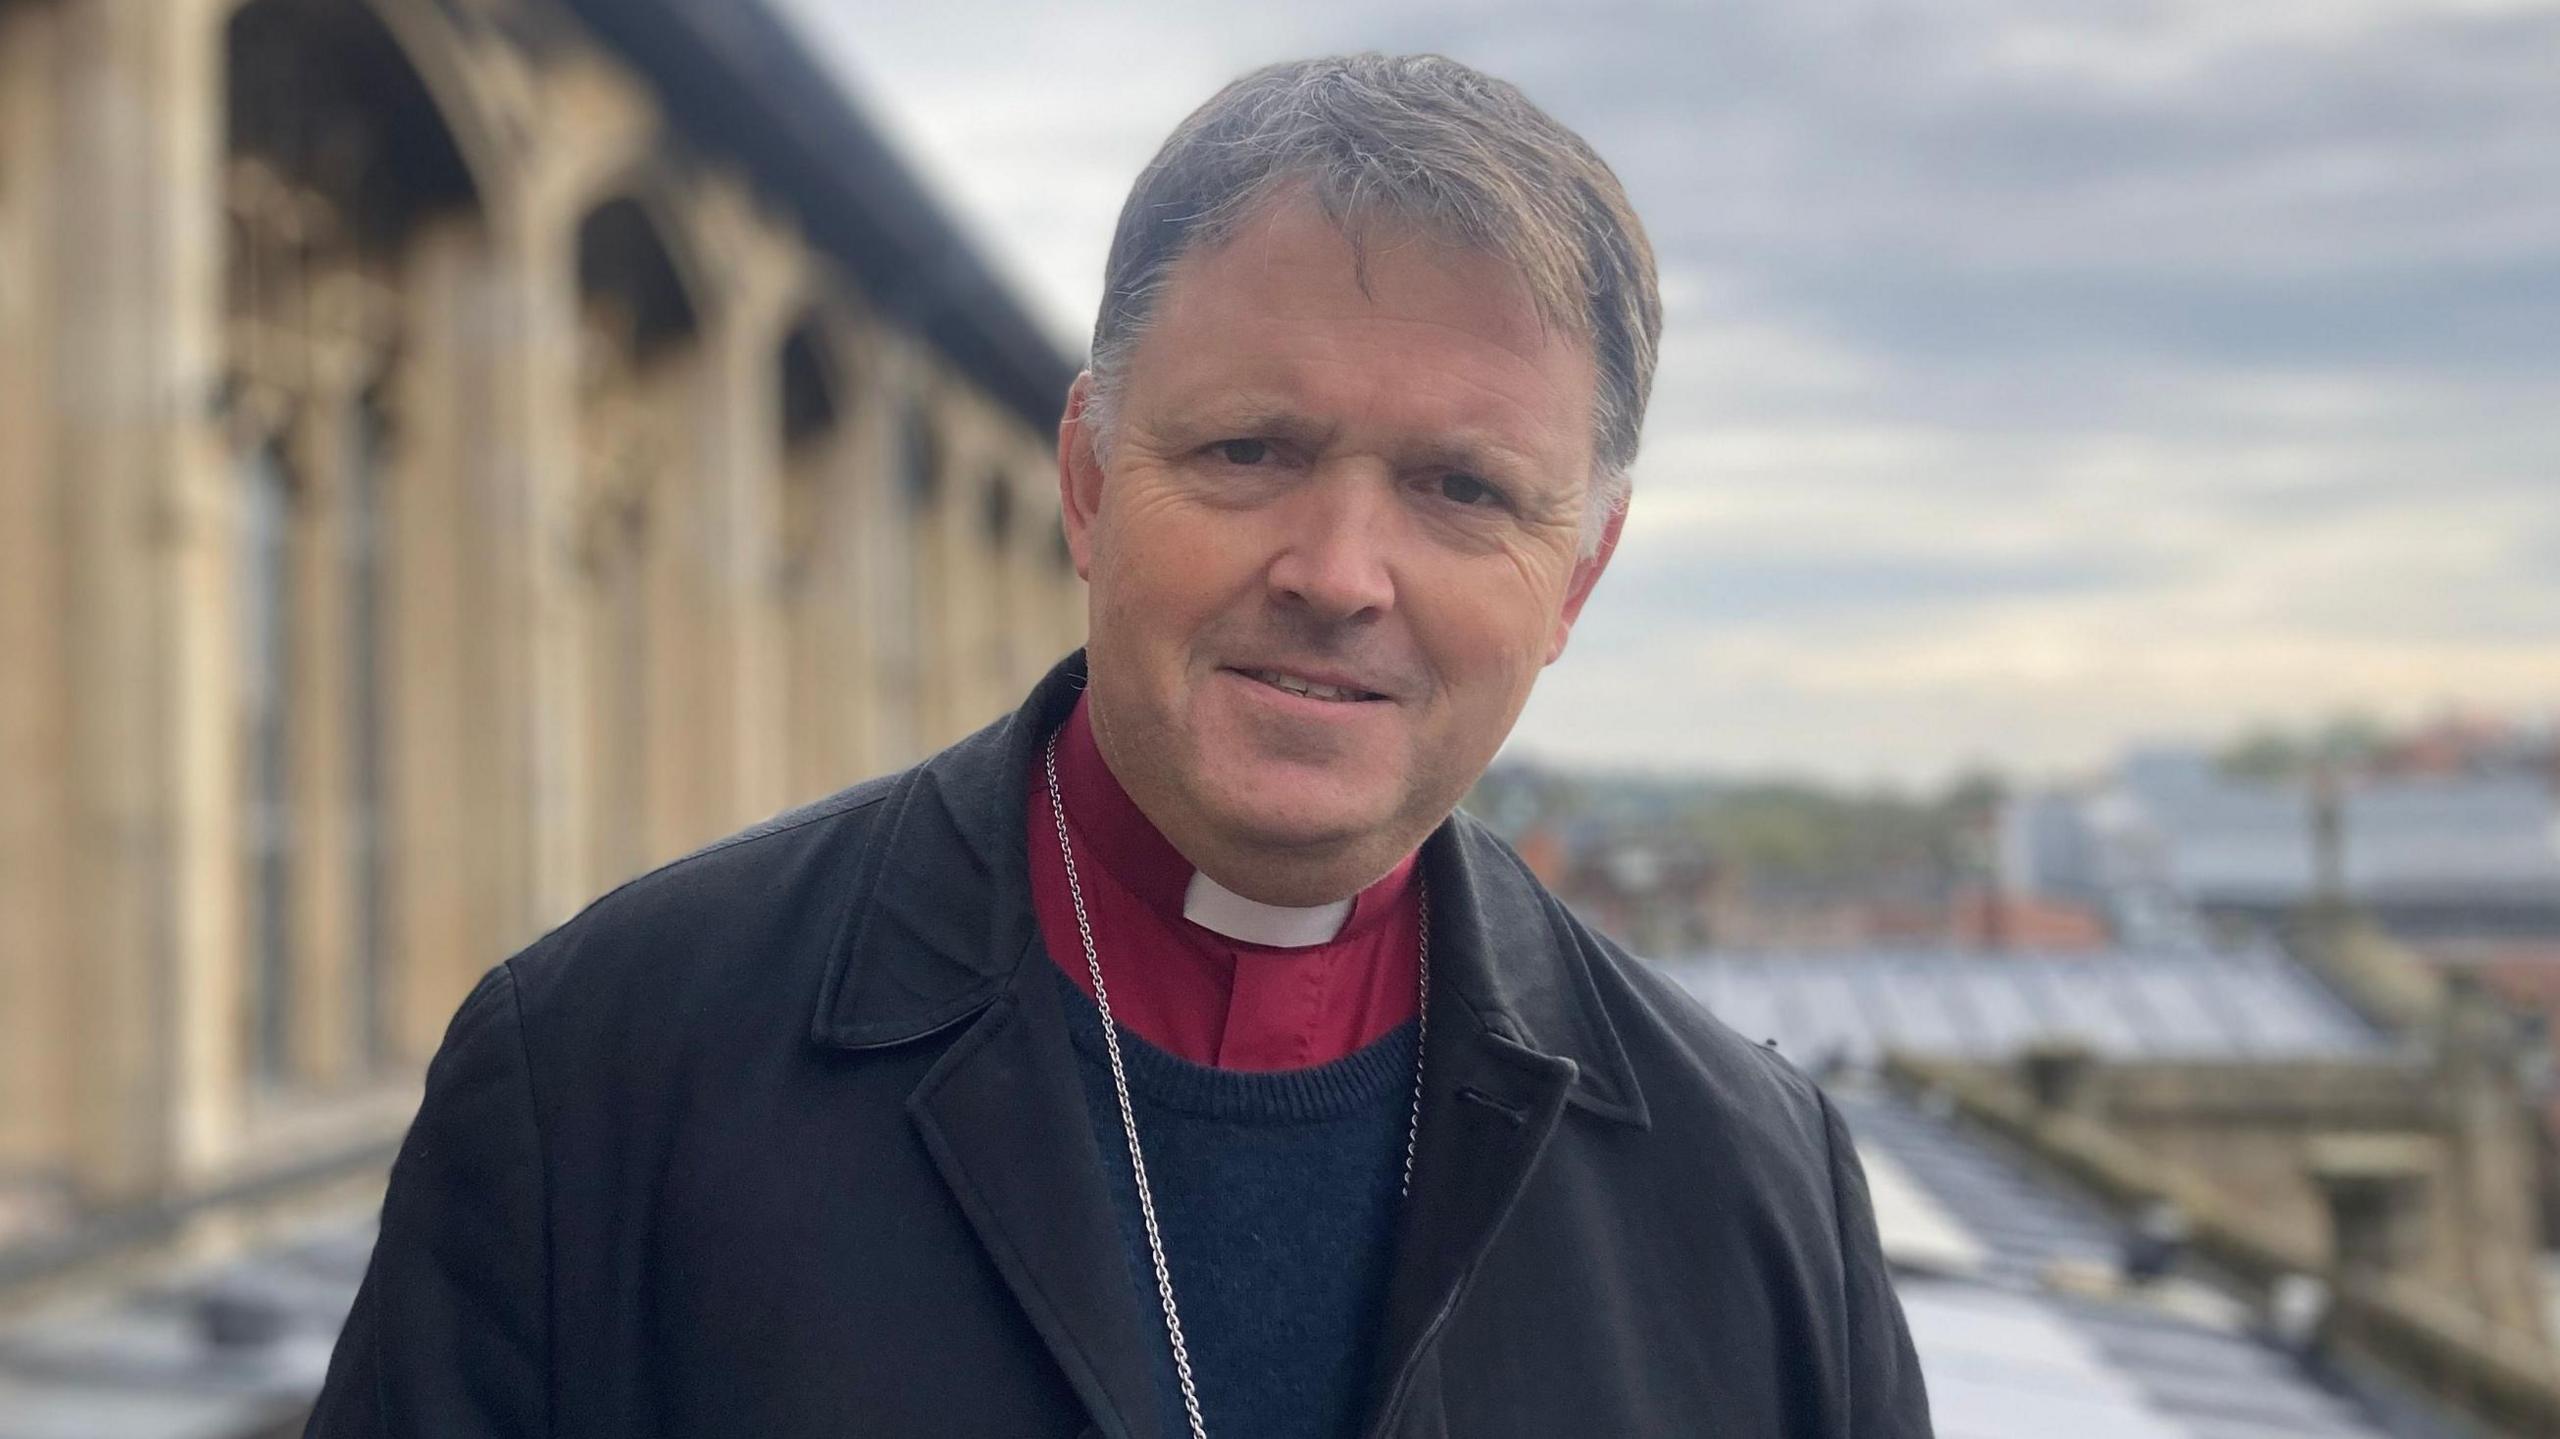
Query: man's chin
(1277, 815)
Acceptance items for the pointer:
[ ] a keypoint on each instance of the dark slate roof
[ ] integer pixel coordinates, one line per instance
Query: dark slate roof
(146, 1363)
(2010, 1354)
(736, 78)
(1850, 1007)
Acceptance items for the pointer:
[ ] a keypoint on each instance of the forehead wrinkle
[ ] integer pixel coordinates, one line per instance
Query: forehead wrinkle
(1300, 314)
(1328, 343)
(1469, 419)
(1261, 240)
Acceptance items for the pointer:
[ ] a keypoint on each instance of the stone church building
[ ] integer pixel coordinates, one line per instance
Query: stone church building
(454, 455)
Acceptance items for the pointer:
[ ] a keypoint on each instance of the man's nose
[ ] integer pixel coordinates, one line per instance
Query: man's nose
(1333, 561)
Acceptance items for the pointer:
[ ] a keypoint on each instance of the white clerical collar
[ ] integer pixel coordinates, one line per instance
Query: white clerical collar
(1213, 906)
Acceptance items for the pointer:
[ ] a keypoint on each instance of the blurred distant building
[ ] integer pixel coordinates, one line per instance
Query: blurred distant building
(2475, 745)
(1665, 895)
(2441, 849)
(1675, 865)
(454, 454)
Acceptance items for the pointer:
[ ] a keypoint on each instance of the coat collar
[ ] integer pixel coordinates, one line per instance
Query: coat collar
(940, 920)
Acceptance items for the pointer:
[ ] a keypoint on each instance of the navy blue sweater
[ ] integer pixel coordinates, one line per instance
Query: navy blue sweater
(1276, 1195)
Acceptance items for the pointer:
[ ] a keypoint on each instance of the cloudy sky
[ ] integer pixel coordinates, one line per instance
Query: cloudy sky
(2038, 377)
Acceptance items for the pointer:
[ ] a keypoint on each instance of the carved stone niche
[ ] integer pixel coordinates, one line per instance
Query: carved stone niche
(2375, 1189)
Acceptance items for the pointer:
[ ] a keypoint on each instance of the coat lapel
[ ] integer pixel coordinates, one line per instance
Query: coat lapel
(1489, 1109)
(940, 933)
(1517, 1035)
(1003, 1115)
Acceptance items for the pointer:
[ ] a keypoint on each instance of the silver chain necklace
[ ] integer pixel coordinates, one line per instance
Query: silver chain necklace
(1129, 1117)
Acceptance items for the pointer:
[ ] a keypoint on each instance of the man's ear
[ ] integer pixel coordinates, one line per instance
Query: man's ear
(1586, 573)
(1079, 473)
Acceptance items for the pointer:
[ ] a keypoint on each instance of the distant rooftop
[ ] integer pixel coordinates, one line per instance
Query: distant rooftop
(1850, 1008)
(2483, 849)
(2403, 839)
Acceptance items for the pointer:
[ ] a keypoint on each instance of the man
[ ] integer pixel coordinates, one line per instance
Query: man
(1169, 1058)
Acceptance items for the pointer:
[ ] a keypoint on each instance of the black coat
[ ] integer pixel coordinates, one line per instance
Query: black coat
(786, 1139)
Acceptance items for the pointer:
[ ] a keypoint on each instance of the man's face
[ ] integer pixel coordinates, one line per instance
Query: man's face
(1337, 537)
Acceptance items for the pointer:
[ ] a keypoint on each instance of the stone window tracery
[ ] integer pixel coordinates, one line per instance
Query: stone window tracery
(335, 161)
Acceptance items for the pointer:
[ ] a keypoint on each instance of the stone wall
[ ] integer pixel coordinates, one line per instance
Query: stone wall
(377, 476)
(2432, 1156)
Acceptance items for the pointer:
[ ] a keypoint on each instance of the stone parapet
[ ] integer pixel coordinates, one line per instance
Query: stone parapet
(2500, 1375)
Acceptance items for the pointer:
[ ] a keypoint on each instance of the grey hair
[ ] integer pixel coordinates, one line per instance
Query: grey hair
(1426, 141)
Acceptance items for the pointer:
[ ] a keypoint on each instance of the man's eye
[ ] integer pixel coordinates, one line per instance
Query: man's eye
(1242, 452)
(1466, 489)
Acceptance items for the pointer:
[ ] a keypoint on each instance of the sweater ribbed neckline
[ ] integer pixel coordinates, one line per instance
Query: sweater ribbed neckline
(1356, 1083)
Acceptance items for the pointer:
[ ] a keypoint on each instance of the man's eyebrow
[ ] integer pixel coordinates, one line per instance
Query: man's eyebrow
(1531, 483)
(1475, 450)
(1253, 416)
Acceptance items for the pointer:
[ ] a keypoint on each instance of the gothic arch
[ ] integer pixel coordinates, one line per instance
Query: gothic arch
(639, 216)
(640, 352)
(821, 574)
(327, 93)
(439, 57)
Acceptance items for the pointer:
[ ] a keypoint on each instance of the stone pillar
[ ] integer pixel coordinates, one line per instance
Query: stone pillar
(36, 968)
(533, 814)
(153, 823)
(754, 744)
(922, 485)
(890, 573)
(975, 586)
(2488, 1231)
(1007, 605)
(450, 813)
(873, 553)
(740, 735)
(321, 758)
(936, 622)
(825, 613)
(687, 618)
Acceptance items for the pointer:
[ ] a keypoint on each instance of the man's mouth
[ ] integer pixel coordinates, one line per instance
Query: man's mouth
(1337, 694)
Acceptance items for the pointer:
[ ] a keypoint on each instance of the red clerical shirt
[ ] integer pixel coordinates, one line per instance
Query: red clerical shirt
(1190, 989)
